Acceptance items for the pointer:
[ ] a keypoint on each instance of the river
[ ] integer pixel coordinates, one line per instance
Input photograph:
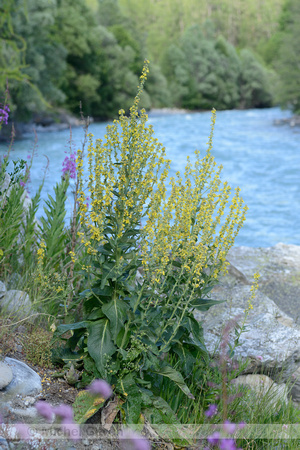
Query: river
(261, 158)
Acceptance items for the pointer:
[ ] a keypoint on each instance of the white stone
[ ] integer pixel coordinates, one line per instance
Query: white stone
(6, 375)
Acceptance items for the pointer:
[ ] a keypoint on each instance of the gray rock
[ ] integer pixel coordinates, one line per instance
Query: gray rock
(3, 444)
(6, 375)
(271, 341)
(25, 380)
(2, 289)
(16, 302)
(268, 391)
(279, 267)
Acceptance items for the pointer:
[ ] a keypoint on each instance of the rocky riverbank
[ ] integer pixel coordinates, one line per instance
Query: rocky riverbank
(293, 121)
(56, 121)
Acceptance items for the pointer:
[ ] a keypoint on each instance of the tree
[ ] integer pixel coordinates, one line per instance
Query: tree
(288, 63)
(44, 58)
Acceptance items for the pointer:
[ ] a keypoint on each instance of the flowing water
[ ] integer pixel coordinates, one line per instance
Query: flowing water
(259, 157)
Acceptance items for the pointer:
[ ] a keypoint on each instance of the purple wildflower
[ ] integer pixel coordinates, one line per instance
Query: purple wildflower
(23, 431)
(4, 114)
(229, 427)
(227, 444)
(212, 411)
(214, 439)
(72, 430)
(65, 412)
(242, 425)
(259, 357)
(100, 387)
(69, 165)
(129, 440)
(22, 184)
(45, 410)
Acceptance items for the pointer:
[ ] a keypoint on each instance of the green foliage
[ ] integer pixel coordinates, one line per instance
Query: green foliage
(253, 82)
(205, 73)
(11, 213)
(53, 231)
(13, 46)
(43, 58)
(145, 282)
(288, 60)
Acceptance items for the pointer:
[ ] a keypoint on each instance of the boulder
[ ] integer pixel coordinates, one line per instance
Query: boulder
(16, 302)
(25, 380)
(271, 340)
(6, 375)
(279, 267)
(270, 392)
(2, 289)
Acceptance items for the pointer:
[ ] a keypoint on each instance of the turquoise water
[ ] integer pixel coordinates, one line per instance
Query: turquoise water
(259, 157)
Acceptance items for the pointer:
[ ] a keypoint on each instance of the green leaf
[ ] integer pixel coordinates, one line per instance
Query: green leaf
(186, 357)
(64, 355)
(116, 312)
(176, 377)
(85, 406)
(203, 304)
(133, 404)
(99, 343)
(96, 314)
(196, 331)
(120, 338)
(62, 329)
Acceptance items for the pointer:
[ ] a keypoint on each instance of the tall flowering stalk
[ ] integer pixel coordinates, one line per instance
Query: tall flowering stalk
(146, 281)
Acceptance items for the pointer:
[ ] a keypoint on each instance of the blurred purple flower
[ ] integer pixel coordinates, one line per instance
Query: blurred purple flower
(72, 430)
(242, 425)
(129, 440)
(259, 357)
(22, 184)
(212, 411)
(227, 444)
(100, 387)
(214, 439)
(45, 410)
(23, 431)
(4, 114)
(229, 427)
(65, 412)
(69, 165)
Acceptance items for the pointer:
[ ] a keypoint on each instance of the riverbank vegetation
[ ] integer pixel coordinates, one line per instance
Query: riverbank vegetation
(56, 54)
(118, 286)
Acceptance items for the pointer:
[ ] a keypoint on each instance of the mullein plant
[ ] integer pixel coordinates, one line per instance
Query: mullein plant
(154, 258)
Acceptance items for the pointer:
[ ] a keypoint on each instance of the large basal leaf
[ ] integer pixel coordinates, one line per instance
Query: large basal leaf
(133, 403)
(176, 377)
(85, 406)
(100, 344)
(62, 329)
(116, 312)
(65, 355)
